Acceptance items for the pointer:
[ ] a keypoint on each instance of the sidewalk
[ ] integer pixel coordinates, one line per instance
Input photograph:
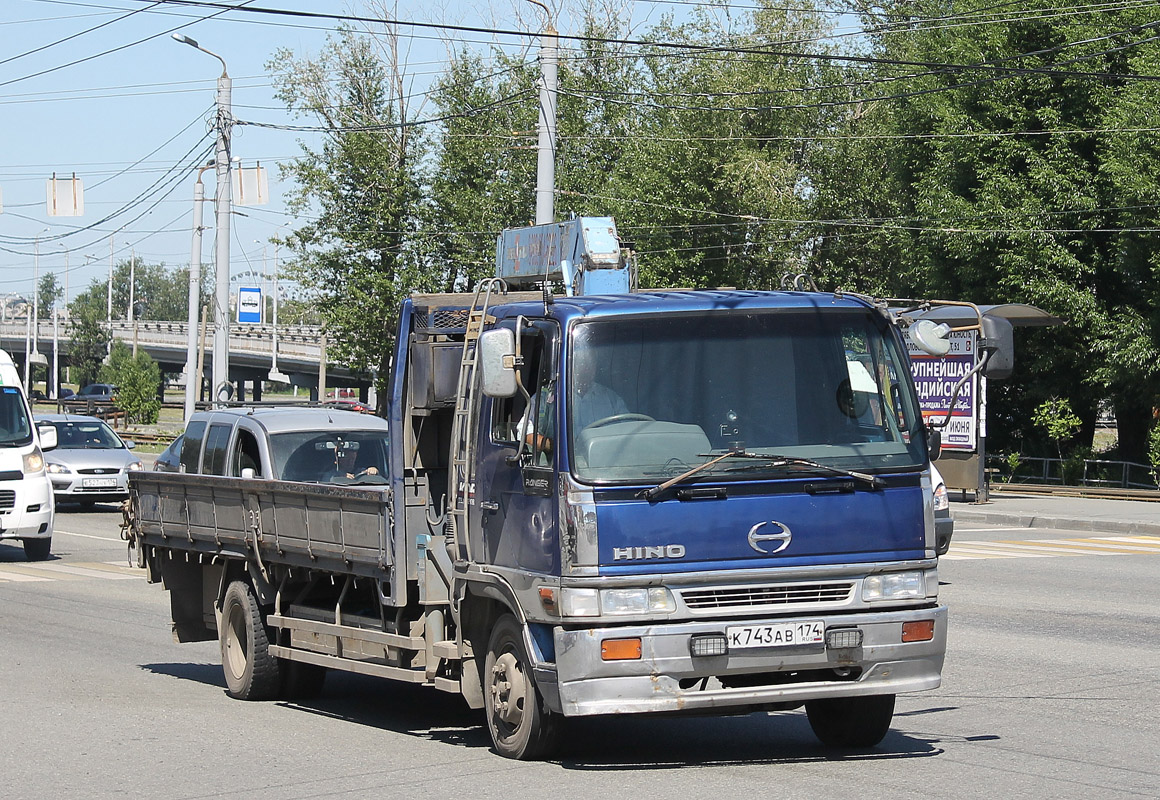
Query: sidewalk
(1068, 513)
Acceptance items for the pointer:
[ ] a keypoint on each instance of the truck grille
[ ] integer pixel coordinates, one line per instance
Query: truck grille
(785, 595)
(7, 498)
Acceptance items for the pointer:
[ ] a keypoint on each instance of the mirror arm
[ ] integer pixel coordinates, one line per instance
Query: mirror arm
(986, 356)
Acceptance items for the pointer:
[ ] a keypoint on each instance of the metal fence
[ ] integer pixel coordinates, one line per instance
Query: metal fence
(1060, 472)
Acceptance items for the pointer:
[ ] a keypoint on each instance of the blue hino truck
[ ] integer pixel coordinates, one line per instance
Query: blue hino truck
(598, 501)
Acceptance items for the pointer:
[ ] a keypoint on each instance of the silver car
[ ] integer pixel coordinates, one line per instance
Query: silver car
(91, 463)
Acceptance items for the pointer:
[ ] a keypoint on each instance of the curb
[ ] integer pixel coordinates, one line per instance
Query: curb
(1065, 523)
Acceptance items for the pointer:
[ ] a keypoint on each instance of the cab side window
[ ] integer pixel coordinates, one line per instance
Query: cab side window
(533, 418)
(215, 449)
(191, 447)
(246, 455)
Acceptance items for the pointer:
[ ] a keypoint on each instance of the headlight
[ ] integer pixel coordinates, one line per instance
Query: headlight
(57, 469)
(616, 602)
(34, 461)
(654, 600)
(942, 499)
(136, 465)
(893, 586)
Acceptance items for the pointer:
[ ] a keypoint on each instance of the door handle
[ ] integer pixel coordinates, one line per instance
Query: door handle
(489, 506)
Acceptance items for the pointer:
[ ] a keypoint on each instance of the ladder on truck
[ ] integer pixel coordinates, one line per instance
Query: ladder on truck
(461, 475)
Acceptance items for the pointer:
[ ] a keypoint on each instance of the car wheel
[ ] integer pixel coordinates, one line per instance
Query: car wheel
(851, 722)
(37, 549)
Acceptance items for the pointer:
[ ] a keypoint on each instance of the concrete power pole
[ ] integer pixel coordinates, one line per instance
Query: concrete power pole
(546, 146)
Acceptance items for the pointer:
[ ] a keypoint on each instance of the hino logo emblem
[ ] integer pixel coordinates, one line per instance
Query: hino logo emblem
(756, 538)
(661, 551)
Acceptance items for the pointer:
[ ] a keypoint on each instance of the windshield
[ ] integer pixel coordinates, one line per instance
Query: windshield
(652, 397)
(86, 435)
(340, 457)
(15, 427)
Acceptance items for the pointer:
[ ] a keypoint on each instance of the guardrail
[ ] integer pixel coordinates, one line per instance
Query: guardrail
(1096, 472)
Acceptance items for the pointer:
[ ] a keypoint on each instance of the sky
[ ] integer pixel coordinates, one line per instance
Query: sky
(135, 110)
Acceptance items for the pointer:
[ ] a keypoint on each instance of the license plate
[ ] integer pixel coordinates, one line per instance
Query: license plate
(785, 634)
(98, 483)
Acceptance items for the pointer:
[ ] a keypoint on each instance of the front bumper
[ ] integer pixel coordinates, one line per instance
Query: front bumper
(668, 678)
(944, 528)
(31, 513)
(71, 488)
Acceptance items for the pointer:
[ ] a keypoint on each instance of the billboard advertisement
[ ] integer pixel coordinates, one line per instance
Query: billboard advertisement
(935, 378)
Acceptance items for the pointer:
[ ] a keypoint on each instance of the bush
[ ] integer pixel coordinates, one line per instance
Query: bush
(138, 381)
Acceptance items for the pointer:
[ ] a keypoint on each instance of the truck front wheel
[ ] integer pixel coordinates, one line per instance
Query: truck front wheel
(251, 672)
(520, 726)
(851, 722)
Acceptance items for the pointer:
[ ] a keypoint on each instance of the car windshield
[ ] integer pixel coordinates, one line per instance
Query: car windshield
(652, 397)
(15, 427)
(330, 456)
(86, 435)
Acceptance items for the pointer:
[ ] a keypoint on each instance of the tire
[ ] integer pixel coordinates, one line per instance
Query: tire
(521, 727)
(251, 672)
(851, 722)
(37, 549)
(302, 681)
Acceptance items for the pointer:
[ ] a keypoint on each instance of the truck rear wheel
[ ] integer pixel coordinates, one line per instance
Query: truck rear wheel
(251, 672)
(853, 722)
(521, 726)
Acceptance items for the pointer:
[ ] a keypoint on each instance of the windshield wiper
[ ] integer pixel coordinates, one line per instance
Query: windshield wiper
(771, 460)
(774, 460)
(649, 494)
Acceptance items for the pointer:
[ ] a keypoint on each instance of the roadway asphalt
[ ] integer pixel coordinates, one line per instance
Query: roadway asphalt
(1065, 513)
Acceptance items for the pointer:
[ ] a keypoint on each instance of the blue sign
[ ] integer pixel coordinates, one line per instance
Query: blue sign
(250, 305)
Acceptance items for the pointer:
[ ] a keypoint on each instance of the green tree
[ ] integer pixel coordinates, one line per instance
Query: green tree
(358, 255)
(49, 291)
(90, 340)
(1011, 184)
(138, 381)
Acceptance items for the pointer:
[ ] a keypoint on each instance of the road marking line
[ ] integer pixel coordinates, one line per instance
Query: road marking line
(1106, 545)
(18, 577)
(89, 536)
(29, 571)
(84, 572)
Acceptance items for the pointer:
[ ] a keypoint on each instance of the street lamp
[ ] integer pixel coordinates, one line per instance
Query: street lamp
(221, 331)
(32, 354)
(191, 355)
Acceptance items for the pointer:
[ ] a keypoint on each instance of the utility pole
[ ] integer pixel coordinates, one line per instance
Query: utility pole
(109, 303)
(221, 332)
(546, 146)
(192, 356)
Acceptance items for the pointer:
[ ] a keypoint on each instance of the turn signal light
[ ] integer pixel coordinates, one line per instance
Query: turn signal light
(920, 631)
(620, 649)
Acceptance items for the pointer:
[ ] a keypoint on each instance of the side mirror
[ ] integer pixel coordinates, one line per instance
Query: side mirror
(931, 338)
(48, 438)
(129, 444)
(248, 473)
(933, 442)
(999, 340)
(497, 367)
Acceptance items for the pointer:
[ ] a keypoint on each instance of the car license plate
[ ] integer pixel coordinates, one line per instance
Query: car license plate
(99, 483)
(785, 634)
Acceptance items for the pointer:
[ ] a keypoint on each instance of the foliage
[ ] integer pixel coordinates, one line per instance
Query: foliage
(1013, 461)
(48, 293)
(90, 341)
(159, 293)
(362, 185)
(138, 382)
(1058, 420)
(1154, 452)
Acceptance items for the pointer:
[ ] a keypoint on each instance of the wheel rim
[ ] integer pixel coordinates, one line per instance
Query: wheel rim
(235, 654)
(509, 692)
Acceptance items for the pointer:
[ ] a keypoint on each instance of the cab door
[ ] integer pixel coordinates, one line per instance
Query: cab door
(517, 475)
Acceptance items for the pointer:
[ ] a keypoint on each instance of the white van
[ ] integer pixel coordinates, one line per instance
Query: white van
(26, 504)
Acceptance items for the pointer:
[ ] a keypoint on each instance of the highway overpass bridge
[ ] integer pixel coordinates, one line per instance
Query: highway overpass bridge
(301, 352)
